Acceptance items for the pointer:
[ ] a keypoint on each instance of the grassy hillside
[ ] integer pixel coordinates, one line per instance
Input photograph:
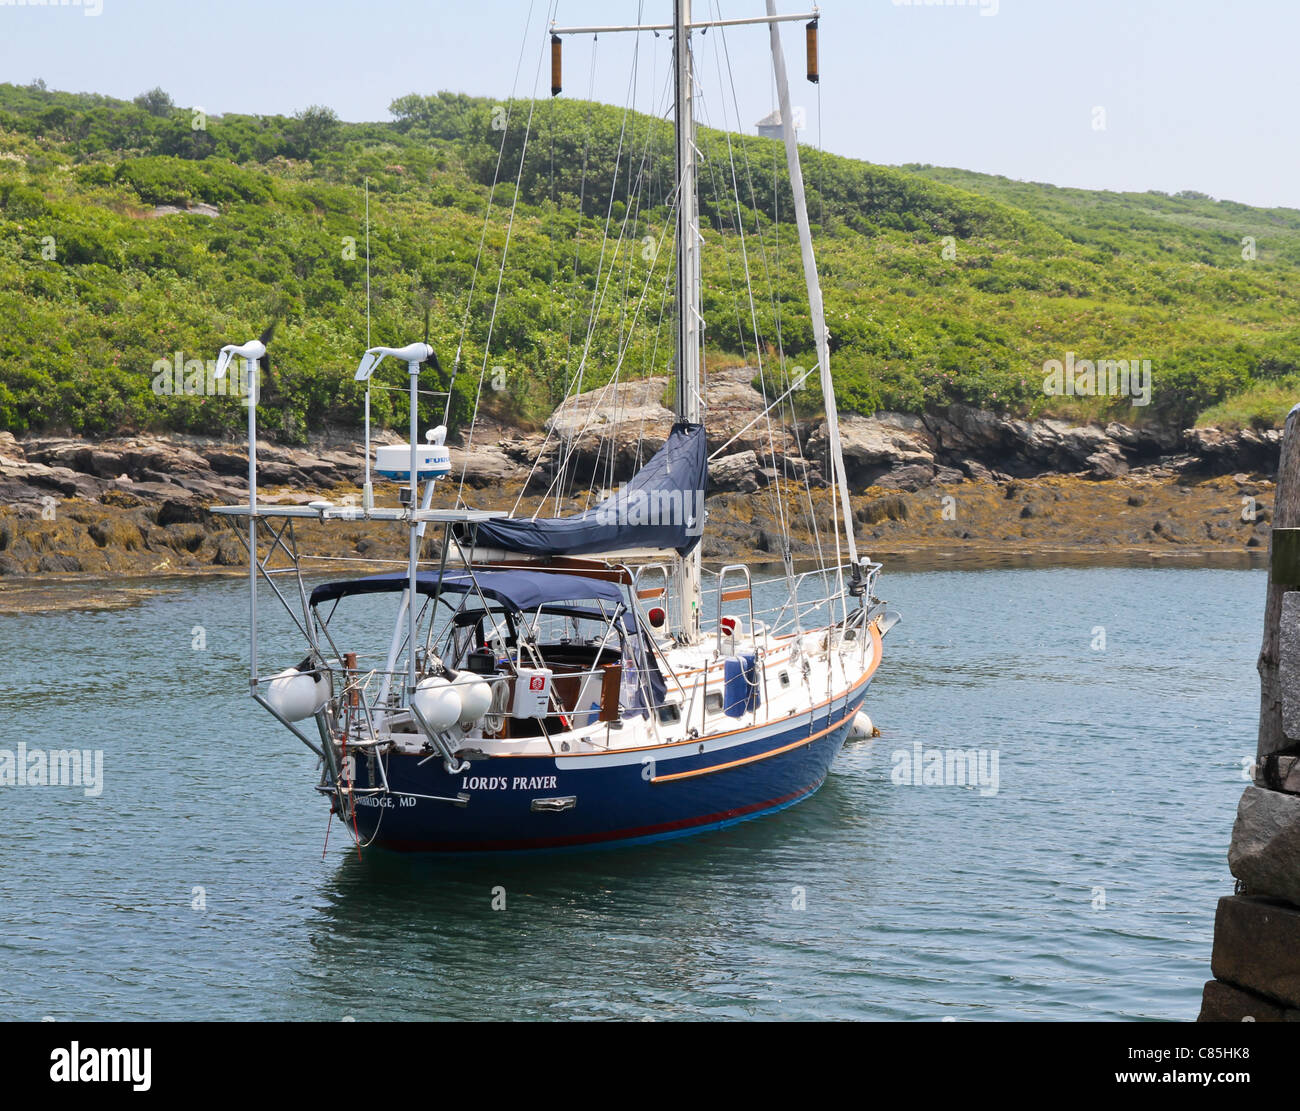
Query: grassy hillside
(97, 282)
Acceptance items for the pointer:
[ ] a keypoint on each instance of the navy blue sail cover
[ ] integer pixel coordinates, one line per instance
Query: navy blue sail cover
(662, 507)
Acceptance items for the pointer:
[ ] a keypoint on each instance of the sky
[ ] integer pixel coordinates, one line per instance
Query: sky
(1125, 95)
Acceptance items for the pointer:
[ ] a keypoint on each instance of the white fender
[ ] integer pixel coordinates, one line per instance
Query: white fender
(475, 696)
(438, 703)
(862, 729)
(295, 695)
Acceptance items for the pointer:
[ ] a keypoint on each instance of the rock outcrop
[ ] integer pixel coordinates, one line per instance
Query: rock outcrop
(161, 486)
(983, 445)
(602, 436)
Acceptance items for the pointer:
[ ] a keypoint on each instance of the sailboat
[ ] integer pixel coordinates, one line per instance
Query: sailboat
(555, 682)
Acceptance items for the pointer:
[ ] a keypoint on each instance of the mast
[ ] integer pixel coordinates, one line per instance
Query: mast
(687, 404)
(815, 308)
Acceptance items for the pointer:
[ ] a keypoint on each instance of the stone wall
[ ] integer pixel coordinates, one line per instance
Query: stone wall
(1256, 956)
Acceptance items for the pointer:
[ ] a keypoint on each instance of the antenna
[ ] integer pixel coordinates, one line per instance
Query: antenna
(367, 262)
(368, 490)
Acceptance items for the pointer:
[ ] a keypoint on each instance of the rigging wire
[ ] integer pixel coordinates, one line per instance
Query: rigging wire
(611, 385)
(769, 268)
(505, 250)
(598, 298)
(773, 490)
(784, 464)
(613, 278)
(491, 198)
(637, 188)
(582, 205)
(599, 292)
(575, 380)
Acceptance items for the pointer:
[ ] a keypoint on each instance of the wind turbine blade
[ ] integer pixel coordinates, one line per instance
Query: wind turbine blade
(368, 362)
(223, 361)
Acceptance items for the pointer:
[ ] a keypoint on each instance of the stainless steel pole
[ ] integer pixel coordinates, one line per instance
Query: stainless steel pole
(251, 369)
(414, 368)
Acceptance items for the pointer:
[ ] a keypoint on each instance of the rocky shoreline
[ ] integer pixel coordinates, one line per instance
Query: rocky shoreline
(964, 484)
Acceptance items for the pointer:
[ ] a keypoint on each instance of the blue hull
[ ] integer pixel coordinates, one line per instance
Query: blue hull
(622, 798)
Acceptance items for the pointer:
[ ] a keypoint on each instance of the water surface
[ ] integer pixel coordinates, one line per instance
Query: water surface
(194, 886)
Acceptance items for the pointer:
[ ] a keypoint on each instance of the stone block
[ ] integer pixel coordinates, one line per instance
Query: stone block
(1257, 947)
(1288, 667)
(1265, 849)
(1279, 771)
(1222, 1002)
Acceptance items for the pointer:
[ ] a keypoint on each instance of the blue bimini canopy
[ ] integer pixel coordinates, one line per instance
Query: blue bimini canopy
(516, 590)
(526, 590)
(662, 507)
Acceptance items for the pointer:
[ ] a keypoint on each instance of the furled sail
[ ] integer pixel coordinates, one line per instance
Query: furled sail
(661, 507)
